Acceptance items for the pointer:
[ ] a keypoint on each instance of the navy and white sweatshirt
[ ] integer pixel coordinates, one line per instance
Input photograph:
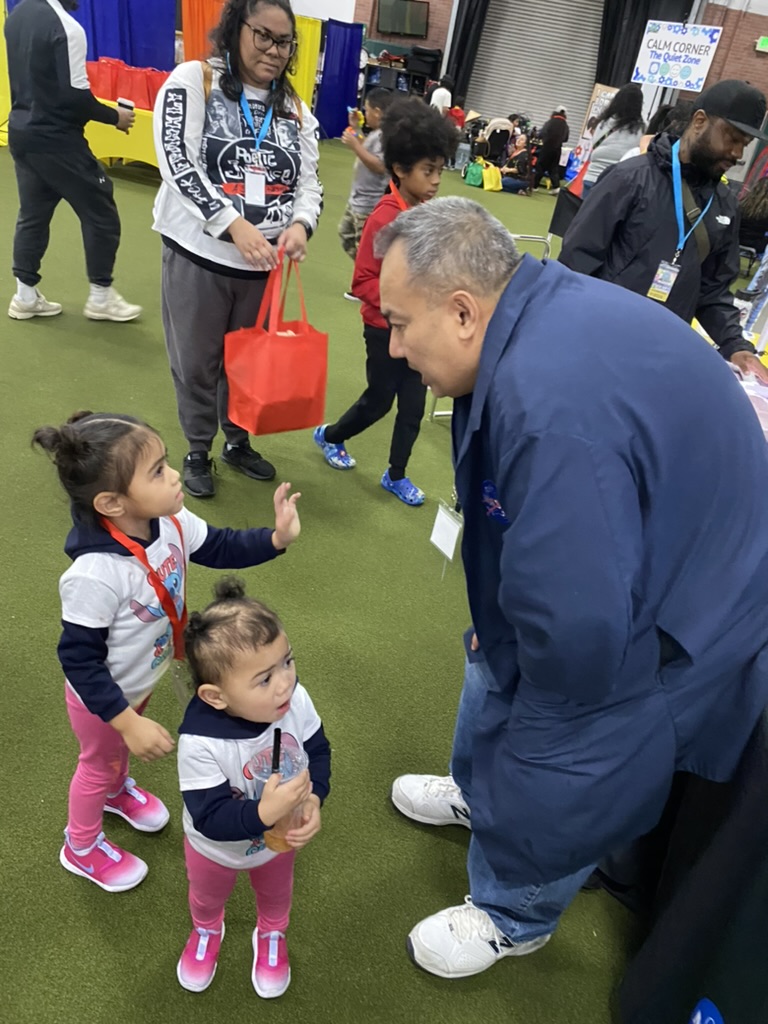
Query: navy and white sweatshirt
(216, 756)
(51, 97)
(117, 640)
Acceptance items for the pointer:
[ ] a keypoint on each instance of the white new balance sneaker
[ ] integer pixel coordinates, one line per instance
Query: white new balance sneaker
(20, 310)
(431, 799)
(115, 308)
(462, 941)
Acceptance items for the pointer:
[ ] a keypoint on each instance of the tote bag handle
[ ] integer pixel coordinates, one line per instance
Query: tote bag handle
(272, 300)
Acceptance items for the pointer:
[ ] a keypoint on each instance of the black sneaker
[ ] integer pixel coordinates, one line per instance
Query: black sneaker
(198, 475)
(244, 458)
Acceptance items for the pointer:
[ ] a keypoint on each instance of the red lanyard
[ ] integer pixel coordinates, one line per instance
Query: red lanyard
(396, 193)
(163, 595)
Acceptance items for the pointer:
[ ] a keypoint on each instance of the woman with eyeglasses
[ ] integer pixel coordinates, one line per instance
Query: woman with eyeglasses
(238, 154)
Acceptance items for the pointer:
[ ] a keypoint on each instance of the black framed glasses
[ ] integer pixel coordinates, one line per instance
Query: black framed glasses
(264, 41)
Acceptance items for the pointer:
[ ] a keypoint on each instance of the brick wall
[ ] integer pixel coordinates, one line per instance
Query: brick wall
(736, 56)
(366, 11)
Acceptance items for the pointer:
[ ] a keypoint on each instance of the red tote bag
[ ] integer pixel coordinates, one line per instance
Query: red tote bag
(277, 372)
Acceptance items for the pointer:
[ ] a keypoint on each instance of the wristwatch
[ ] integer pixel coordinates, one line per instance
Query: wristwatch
(305, 225)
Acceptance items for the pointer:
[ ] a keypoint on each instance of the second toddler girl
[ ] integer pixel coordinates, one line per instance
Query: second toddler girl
(246, 687)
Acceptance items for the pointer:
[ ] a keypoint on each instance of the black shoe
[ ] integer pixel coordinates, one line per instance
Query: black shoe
(198, 475)
(244, 458)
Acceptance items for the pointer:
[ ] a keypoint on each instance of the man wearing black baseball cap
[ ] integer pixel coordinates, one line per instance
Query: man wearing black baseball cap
(666, 225)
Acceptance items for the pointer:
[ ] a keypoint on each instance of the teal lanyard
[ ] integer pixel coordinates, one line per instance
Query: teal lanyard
(265, 124)
(677, 185)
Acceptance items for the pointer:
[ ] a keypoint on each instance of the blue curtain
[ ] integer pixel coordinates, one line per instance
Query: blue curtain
(341, 68)
(152, 33)
(140, 32)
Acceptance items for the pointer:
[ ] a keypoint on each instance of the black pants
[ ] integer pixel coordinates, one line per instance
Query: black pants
(388, 379)
(76, 176)
(547, 162)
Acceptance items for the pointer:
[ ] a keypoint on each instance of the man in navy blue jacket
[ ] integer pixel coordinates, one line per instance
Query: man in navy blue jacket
(613, 479)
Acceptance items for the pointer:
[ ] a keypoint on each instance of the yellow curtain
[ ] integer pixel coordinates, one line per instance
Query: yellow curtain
(5, 88)
(308, 31)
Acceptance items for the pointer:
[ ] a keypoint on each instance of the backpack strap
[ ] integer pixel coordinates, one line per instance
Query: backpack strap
(692, 213)
(207, 78)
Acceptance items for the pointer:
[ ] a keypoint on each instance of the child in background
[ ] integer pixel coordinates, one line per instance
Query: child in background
(245, 679)
(458, 118)
(456, 113)
(123, 615)
(418, 140)
(369, 178)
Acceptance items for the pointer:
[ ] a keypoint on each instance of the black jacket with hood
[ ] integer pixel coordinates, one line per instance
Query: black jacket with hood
(627, 226)
(51, 98)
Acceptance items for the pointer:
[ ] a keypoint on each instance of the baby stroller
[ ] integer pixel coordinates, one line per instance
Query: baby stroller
(498, 141)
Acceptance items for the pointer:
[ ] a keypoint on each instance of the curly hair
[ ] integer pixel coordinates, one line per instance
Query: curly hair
(412, 131)
(232, 624)
(225, 42)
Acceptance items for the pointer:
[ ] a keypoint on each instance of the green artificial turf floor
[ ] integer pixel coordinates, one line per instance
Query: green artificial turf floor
(377, 633)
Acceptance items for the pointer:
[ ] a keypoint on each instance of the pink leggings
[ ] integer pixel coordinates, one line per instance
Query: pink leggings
(210, 885)
(101, 770)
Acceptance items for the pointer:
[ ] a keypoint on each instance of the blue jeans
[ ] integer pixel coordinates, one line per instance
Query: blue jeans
(585, 187)
(524, 913)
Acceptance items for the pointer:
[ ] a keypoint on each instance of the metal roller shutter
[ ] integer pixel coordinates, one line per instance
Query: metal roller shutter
(534, 55)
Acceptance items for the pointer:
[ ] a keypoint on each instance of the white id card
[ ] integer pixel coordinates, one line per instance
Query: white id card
(664, 281)
(255, 186)
(446, 530)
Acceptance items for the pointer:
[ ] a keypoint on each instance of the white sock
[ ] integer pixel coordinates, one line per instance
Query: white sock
(99, 294)
(25, 292)
(81, 852)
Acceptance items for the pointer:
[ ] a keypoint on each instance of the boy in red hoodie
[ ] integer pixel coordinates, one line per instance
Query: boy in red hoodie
(418, 141)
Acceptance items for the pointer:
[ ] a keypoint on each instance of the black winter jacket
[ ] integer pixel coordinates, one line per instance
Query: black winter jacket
(555, 132)
(627, 226)
(51, 97)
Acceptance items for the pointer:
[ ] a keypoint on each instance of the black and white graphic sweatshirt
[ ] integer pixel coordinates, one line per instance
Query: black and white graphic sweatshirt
(203, 150)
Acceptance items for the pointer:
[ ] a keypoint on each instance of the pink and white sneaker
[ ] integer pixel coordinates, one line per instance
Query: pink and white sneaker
(111, 868)
(271, 968)
(138, 807)
(197, 964)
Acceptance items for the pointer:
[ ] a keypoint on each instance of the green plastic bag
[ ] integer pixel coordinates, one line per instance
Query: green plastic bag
(474, 175)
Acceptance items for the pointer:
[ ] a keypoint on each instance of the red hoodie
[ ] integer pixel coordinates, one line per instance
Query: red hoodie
(365, 279)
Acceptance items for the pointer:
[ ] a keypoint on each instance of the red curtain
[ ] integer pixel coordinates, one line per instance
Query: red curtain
(198, 17)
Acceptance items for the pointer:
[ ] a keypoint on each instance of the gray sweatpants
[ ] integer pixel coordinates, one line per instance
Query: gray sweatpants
(199, 308)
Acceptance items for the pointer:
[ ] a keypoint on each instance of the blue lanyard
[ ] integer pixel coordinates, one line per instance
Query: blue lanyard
(677, 184)
(265, 124)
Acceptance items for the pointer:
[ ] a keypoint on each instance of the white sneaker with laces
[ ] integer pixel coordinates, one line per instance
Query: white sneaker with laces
(461, 941)
(20, 310)
(431, 799)
(115, 308)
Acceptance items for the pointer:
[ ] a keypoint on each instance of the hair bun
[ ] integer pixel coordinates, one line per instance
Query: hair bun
(231, 588)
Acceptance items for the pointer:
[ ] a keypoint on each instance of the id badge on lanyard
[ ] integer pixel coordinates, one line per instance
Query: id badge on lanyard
(666, 274)
(255, 175)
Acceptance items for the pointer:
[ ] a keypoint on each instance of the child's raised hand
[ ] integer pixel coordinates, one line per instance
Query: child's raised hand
(310, 824)
(146, 739)
(278, 800)
(287, 524)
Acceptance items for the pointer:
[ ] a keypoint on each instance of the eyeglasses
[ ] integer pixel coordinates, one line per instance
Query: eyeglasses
(264, 41)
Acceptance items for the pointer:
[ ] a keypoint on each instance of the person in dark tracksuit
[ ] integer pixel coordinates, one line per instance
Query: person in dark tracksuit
(51, 104)
(554, 136)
